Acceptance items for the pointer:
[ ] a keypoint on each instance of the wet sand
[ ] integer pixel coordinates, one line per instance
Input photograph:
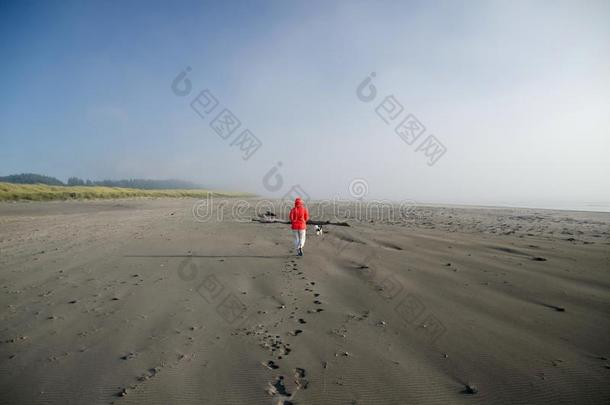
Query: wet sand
(135, 301)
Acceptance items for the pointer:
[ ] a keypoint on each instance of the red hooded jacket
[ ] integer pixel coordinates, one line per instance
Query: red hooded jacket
(299, 215)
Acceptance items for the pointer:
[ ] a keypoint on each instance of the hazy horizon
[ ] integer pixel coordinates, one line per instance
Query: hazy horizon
(517, 92)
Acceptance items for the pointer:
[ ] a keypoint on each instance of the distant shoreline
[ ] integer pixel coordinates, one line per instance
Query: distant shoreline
(574, 208)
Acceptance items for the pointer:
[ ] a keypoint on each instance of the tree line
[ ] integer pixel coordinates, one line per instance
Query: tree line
(146, 184)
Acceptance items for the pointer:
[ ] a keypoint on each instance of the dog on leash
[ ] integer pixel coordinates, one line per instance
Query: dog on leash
(319, 230)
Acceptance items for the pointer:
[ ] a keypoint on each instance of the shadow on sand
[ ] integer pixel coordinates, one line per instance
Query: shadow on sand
(215, 256)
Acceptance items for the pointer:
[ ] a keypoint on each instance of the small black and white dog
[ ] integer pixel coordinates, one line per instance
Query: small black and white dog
(319, 230)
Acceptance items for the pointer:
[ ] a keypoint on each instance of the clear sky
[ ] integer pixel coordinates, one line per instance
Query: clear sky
(517, 92)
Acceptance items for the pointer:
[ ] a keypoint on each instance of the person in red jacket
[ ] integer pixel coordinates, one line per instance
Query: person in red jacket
(298, 218)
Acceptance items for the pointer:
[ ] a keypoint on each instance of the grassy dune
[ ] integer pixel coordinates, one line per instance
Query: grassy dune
(42, 192)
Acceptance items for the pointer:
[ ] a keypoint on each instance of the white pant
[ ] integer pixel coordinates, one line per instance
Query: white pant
(299, 238)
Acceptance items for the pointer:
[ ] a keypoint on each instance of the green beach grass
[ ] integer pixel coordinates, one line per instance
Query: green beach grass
(43, 192)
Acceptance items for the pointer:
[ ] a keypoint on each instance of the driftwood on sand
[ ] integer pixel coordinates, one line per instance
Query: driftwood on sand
(310, 222)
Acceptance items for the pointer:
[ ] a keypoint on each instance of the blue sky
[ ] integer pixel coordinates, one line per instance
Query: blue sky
(517, 92)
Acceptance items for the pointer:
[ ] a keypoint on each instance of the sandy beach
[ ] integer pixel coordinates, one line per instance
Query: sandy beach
(138, 301)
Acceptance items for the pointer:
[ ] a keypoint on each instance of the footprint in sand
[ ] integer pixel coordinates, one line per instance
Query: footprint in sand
(271, 365)
(299, 378)
(470, 389)
(277, 387)
(128, 356)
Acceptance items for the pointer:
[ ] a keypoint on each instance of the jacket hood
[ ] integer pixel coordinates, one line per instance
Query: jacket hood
(298, 202)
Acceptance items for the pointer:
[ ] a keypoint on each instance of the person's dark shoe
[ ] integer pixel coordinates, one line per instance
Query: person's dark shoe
(300, 252)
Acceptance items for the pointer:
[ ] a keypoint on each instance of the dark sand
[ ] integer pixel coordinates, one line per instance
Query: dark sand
(134, 301)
